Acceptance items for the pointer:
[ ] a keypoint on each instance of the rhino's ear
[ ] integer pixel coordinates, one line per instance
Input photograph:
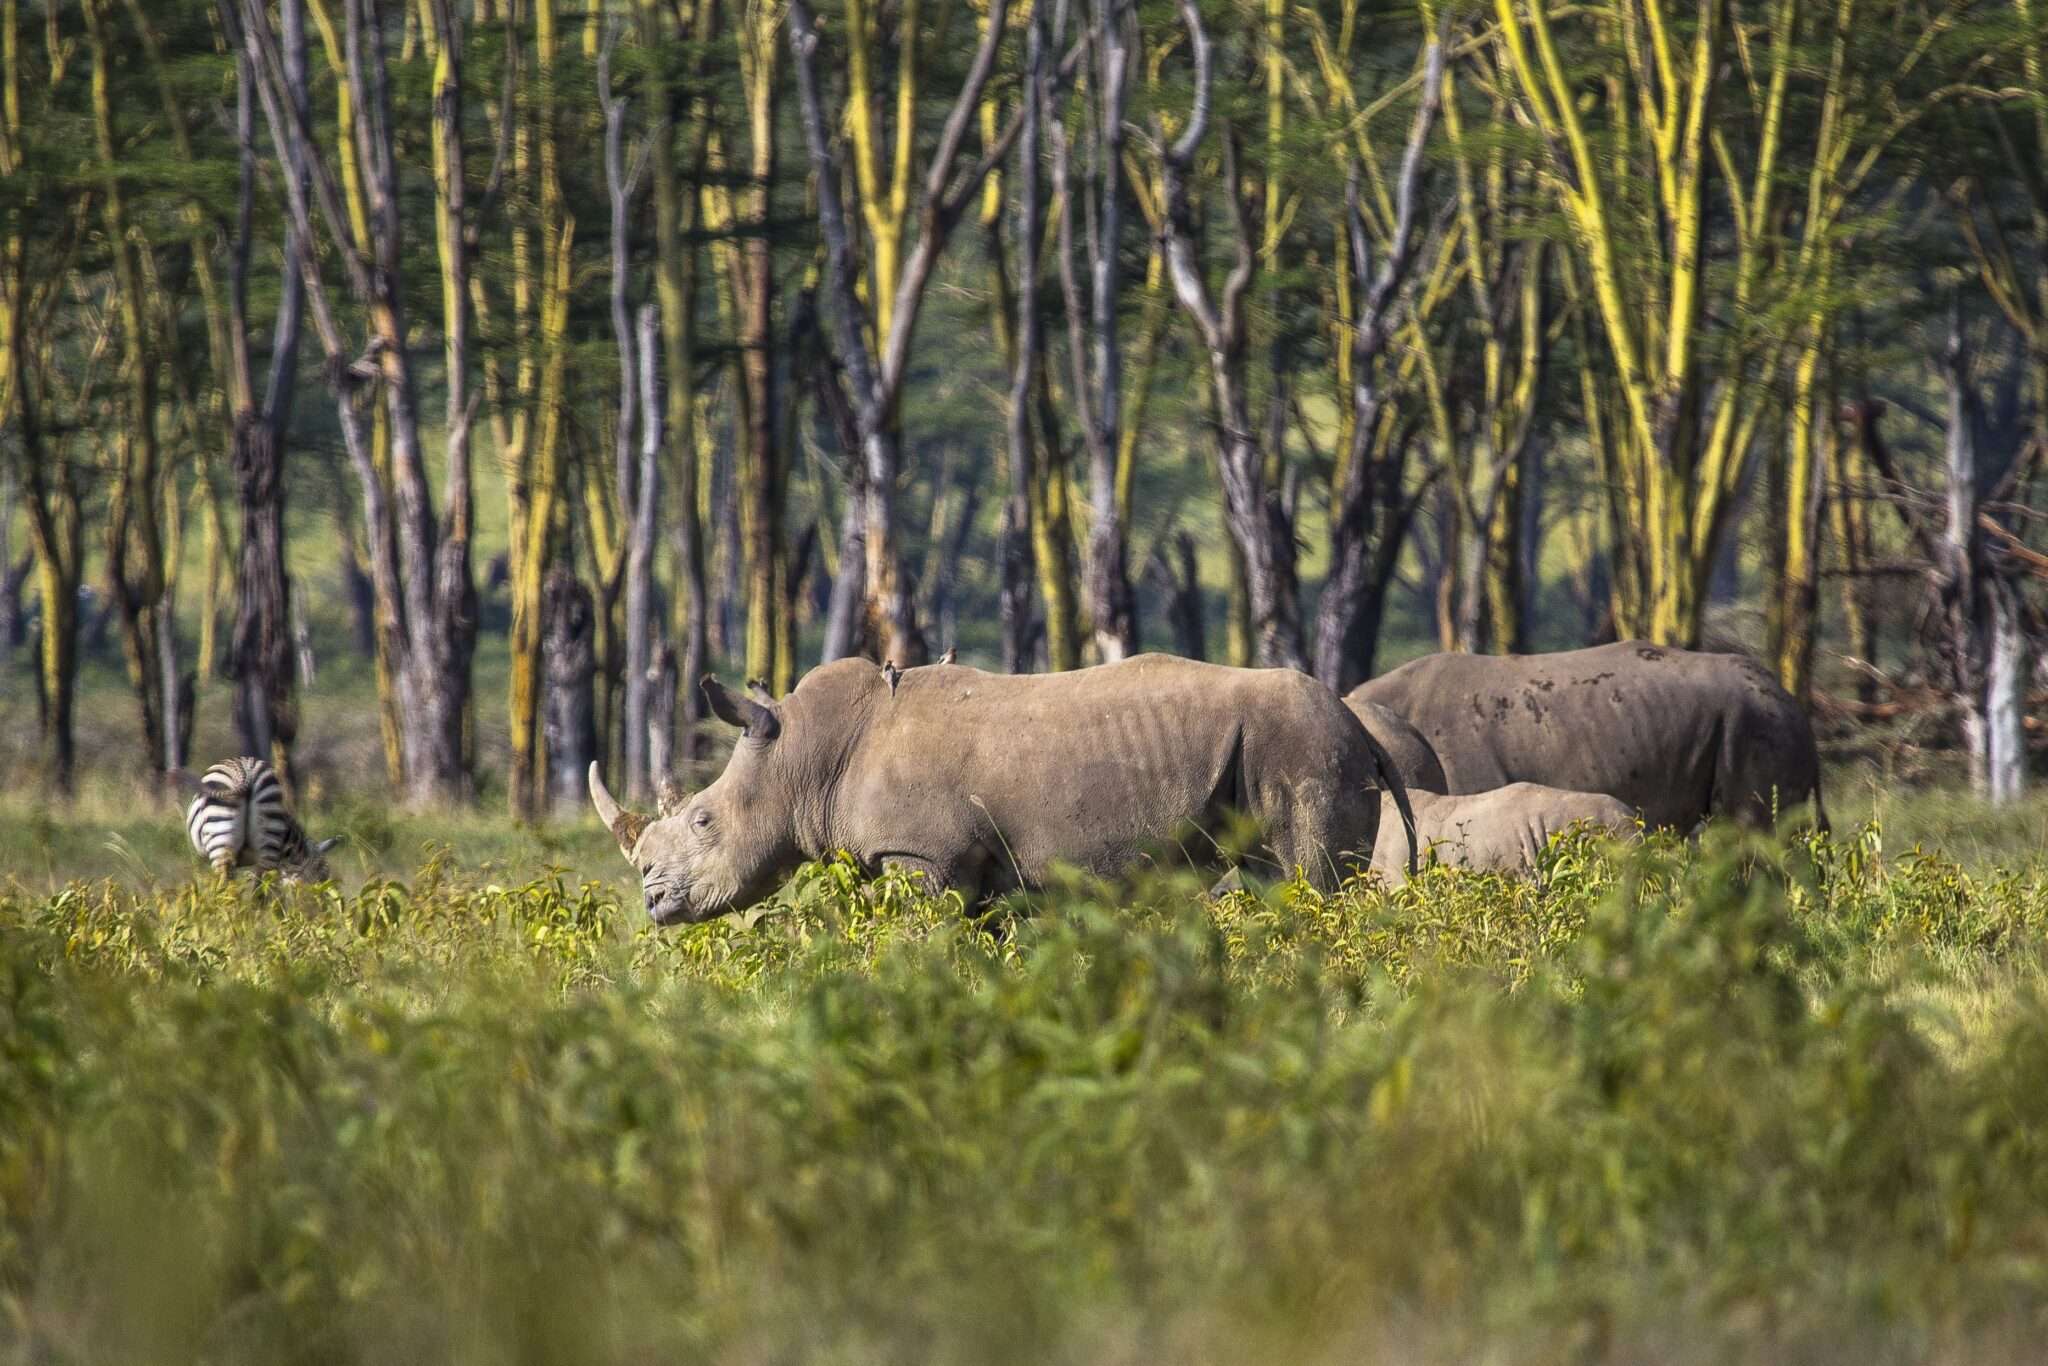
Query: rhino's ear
(758, 690)
(625, 825)
(756, 720)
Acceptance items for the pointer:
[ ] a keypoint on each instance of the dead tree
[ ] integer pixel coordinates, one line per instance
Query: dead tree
(1348, 614)
(1973, 623)
(875, 376)
(1985, 647)
(1253, 512)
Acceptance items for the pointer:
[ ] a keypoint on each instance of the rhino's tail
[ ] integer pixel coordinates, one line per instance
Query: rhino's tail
(1390, 778)
(1820, 811)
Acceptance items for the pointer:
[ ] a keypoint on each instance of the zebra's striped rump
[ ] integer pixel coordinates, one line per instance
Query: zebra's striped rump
(239, 820)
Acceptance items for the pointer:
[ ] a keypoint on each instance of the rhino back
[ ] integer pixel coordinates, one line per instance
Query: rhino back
(1640, 722)
(1503, 830)
(1087, 767)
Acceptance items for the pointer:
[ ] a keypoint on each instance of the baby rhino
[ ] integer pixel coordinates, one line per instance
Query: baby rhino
(985, 782)
(1503, 831)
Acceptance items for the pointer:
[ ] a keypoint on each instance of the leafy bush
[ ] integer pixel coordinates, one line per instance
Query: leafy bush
(1665, 1104)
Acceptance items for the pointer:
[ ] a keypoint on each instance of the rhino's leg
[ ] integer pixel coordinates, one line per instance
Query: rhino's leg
(938, 878)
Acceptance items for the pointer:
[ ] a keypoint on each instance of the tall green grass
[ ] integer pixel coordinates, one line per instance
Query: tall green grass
(1667, 1105)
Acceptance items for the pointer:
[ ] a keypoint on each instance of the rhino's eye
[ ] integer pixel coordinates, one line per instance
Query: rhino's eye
(701, 821)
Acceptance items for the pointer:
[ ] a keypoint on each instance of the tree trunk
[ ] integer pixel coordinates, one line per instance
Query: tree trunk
(764, 475)
(539, 482)
(59, 589)
(1253, 512)
(419, 570)
(1469, 625)
(730, 613)
(1052, 531)
(642, 511)
(946, 547)
(661, 720)
(13, 620)
(1505, 586)
(676, 289)
(136, 559)
(260, 652)
(2005, 680)
(57, 523)
(359, 593)
(266, 721)
(875, 374)
(1020, 530)
(179, 687)
(1176, 577)
(844, 625)
(571, 701)
(1019, 614)
(1112, 606)
(1527, 583)
(1794, 617)
(1985, 648)
(1851, 516)
(11, 575)
(638, 436)
(1257, 520)
(1363, 491)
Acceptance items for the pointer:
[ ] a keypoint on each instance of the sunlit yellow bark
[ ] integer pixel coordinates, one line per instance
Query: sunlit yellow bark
(541, 477)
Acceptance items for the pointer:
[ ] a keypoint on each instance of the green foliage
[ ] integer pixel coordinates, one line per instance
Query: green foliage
(1671, 1104)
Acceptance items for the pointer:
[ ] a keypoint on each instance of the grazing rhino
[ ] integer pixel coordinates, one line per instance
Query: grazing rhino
(1503, 831)
(1676, 734)
(1413, 759)
(983, 782)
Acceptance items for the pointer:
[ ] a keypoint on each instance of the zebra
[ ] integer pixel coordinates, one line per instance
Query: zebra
(239, 820)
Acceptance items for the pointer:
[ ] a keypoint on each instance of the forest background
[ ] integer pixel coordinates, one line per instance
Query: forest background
(428, 393)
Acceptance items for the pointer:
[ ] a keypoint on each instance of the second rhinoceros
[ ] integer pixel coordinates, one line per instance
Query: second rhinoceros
(985, 782)
(1677, 735)
(1504, 830)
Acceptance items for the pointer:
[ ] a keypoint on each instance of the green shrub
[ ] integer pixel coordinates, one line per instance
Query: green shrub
(1661, 1103)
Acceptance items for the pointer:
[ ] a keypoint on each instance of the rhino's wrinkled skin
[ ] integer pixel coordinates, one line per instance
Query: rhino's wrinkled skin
(1503, 831)
(985, 782)
(1678, 735)
(1410, 753)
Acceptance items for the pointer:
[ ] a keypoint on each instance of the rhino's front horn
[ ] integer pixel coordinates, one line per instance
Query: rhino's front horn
(625, 825)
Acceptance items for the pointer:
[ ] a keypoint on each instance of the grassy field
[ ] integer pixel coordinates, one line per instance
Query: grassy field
(1733, 1103)
(1740, 1102)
